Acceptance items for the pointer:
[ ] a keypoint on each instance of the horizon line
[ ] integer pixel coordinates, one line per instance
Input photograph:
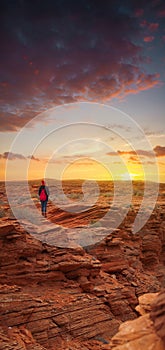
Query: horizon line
(82, 179)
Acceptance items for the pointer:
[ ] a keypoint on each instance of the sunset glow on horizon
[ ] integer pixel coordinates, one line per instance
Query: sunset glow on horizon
(84, 96)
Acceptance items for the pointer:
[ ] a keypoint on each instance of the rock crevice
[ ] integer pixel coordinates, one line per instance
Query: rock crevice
(59, 298)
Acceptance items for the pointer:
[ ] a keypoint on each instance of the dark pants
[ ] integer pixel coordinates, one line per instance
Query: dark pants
(43, 206)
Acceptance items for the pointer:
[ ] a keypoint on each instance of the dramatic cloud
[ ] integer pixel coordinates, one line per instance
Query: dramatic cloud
(134, 153)
(16, 156)
(149, 39)
(139, 152)
(133, 159)
(159, 151)
(34, 158)
(12, 156)
(57, 52)
(151, 27)
(12, 122)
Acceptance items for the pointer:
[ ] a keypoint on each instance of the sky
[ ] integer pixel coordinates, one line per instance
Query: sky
(82, 89)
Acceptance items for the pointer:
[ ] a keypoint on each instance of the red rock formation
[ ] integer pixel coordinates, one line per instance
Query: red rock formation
(158, 315)
(146, 332)
(59, 298)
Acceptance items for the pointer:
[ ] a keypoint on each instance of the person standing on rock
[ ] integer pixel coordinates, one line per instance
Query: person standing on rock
(43, 193)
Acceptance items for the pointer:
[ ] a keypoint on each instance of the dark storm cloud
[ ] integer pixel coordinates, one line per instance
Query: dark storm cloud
(56, 52)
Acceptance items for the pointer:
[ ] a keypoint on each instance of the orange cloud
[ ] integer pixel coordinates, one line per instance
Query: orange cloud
(133, 159)
(138, 152)
(159, 151)
(149, 39)
(153, 26)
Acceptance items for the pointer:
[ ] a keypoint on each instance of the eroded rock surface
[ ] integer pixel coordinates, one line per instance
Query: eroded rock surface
(158, 315)
(146, 332)
(72, 299)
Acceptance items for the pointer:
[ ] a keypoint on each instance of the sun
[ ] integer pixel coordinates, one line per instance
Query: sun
(130, 176)
(86, 169)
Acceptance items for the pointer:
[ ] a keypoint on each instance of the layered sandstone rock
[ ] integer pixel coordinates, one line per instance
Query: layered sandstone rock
(18, 339)
(82, 318)
(59, 298)
(158, 315)
(146, 332)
